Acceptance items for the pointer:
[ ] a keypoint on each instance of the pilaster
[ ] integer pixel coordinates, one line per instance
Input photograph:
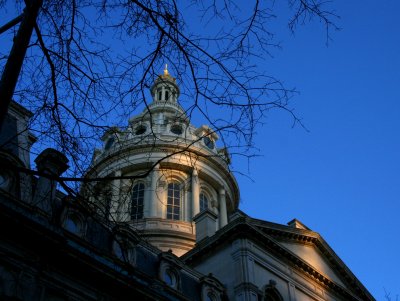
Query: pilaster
(223, 216)
(153, 192)
(195, 193)
(115, 197)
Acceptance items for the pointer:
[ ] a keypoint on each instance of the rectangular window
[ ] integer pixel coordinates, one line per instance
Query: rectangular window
(174, 201)
(203, 202)
(137, 201)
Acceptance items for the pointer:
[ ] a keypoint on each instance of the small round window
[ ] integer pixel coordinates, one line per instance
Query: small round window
(177, 129)
(170, 278)
(208, 142)
(109, 143)
(117, 250)
(140, 130)
(73, 224)
(5, 180)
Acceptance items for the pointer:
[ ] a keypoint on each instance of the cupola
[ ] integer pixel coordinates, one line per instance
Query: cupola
(165, 88)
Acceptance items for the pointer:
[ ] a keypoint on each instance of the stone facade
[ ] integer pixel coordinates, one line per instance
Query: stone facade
(257, 259)
(162, 224)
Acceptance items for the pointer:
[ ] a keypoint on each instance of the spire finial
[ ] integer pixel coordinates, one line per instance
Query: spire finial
(166, 69)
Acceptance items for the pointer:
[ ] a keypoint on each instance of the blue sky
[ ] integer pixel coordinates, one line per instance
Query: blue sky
(342, 178)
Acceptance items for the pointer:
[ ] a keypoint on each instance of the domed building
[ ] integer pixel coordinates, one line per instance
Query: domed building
(167, 171)
(159, 220)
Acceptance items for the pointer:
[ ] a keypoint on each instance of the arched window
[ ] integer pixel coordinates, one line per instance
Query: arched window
(73, 223)
(166, 95)
(170, 278)
(117, 250)
(174, 201)
(137, 201)
(208, 142)
(6, 180)
(203, 202)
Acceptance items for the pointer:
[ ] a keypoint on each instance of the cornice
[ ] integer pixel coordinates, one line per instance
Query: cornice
(178, 145)
(19, 110)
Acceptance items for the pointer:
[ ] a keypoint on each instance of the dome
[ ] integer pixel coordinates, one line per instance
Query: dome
(163, 171)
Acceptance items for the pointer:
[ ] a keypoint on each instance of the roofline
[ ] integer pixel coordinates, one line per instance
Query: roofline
(17, 108)
(241, 227)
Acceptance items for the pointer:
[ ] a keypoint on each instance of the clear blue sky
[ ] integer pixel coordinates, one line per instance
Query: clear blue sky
(341, 179)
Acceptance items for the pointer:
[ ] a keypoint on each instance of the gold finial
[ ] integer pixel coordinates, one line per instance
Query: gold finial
(166, 70)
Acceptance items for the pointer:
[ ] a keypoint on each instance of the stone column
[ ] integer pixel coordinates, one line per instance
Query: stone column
(163, 93)
(51, 164)
(195, 193)
(223, 216)
(115, 197)
(153, 192)
(125, 199)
